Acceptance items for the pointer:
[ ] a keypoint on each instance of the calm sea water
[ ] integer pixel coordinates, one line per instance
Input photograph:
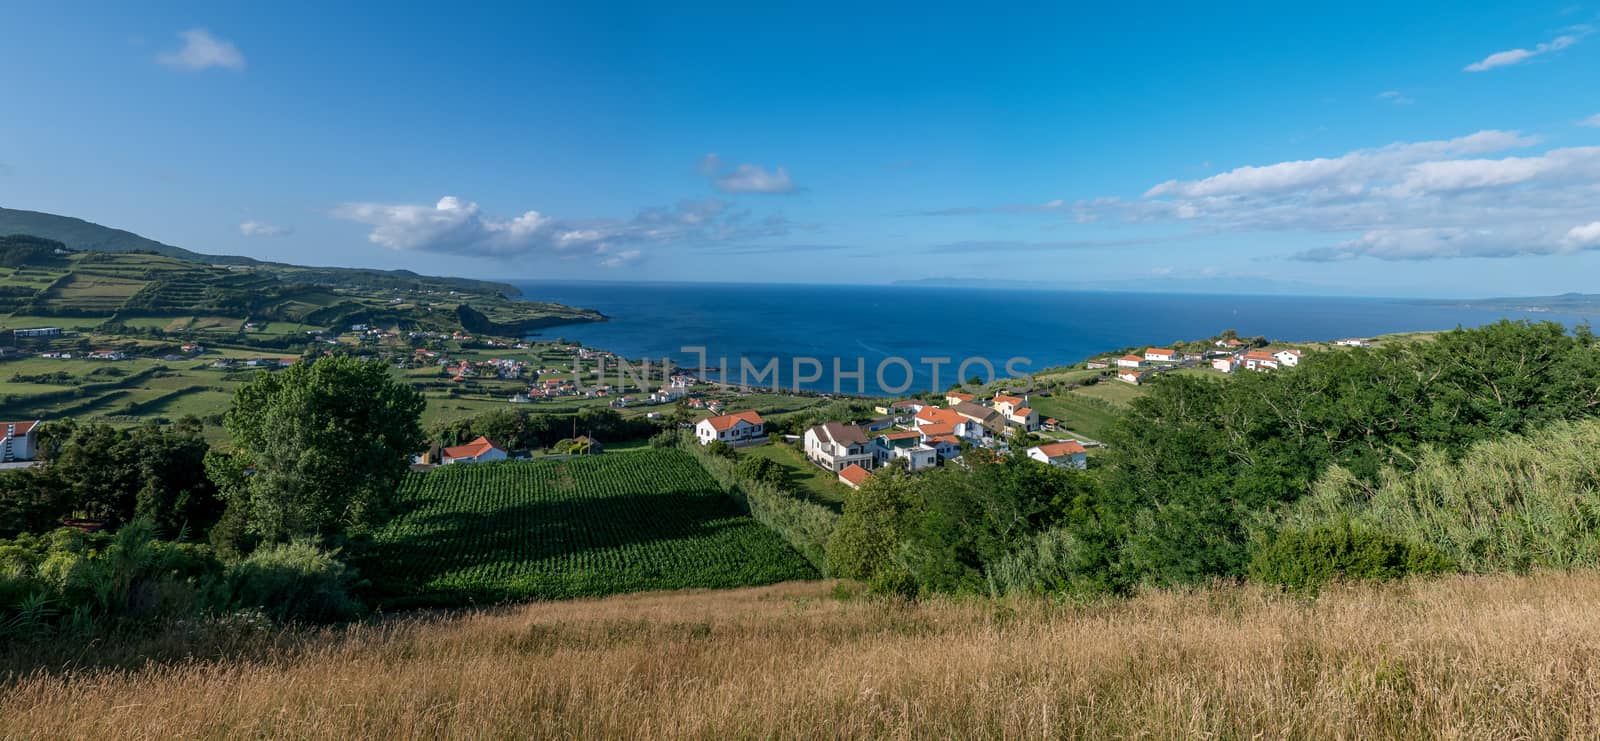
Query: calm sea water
(872, 323)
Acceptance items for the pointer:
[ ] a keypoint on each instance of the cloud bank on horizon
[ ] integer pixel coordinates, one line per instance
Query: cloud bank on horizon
(457, 226)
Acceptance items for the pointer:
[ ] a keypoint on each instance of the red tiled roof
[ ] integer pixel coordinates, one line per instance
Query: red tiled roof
(727, 421)
(957, 395)
(1057, 450)
(854, 474)
(1158, 351)
(1130, 357)
(935, 415)
(21, 427)
(1260, 355)
(904, 435)
(937, 428)
(952, 439)
(1012, 400)
(1021, 412)
(471, 450)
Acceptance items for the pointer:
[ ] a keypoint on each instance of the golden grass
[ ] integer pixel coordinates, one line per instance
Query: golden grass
(1469, 657)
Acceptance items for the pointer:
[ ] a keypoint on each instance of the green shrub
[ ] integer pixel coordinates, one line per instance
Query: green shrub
(1304, 560)
(294, 582)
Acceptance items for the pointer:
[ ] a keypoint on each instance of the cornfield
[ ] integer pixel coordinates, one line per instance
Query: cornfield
(578, 527)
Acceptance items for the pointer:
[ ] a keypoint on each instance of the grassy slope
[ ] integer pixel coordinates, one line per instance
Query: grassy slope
(1462, 657)
(584, 526)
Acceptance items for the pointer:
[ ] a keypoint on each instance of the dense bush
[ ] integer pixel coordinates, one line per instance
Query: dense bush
(1304, 560)
(1196, 460)
(1512, 504)
(520, 430)
(295, 582)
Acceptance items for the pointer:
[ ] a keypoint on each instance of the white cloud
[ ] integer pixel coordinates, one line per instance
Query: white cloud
(1395, 97)
(263, 229)
(1584, 237)
(1466, 197)
(201, 50)
(1517, 56)
(457, 226)
(1592, 122)
(744, 178)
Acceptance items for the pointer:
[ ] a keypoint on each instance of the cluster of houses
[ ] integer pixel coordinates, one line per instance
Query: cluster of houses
(1230, 356)
(921, 437)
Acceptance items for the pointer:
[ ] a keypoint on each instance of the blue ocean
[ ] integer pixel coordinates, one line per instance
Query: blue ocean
(862, 326)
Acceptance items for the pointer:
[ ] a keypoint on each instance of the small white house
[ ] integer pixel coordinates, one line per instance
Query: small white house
(733, 429)
(1225, 364)
(18, 443)
(1160, 354)
(1130, 376)
(1287, 358)
(1069, 454)
(1130, 361)
(480, 450)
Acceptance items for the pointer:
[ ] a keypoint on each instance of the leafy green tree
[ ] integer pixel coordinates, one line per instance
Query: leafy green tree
(867, 542)
(318, 447)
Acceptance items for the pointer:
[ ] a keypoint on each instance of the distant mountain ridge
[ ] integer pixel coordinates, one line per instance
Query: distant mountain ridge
(87, 236)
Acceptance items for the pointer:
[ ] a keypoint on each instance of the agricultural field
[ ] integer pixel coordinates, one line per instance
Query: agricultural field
(624, 522)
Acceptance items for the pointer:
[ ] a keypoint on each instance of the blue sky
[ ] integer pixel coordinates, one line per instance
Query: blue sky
(1442, 149)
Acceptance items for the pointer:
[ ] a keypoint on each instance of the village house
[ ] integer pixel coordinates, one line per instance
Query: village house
(1130, 376)
(906, 445)
(837, 446)
(1259, 360)
(1160, 354)
(1287, 358)
(106, 355)
(1068, 454)
(1352, 342)
(478, 451)
(947, 446)
(1015, 411)
(734, 429)
(18, 443)
(1230, 344)
(956, 397)
(1097, 364)
(854, 476)
(1225, 364)
(979, 421)
(1130, 361)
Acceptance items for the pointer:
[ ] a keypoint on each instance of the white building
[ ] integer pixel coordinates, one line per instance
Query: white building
(1287, 358)
(1160, 354)
(906, 445)
(734, 429)
(1069, 454)
(1130, 376)
(837, 446)
(18, 443)
(1130, 361)
(480, 450)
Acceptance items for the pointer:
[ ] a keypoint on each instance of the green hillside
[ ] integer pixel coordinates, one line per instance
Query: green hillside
(46, 283)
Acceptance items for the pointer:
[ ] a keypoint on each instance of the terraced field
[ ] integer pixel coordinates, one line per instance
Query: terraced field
(622, 522)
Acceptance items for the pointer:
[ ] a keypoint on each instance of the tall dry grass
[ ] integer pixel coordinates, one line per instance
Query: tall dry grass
(1475, 657)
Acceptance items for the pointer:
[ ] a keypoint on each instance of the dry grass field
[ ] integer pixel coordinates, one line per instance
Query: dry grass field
(1469, 657)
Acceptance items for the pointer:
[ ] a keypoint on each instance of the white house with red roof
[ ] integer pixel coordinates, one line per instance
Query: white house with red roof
(733, 429)
(1130, 361)
(1068, 454)
(956, 397)
(1130, 376)
(1259, 360)
(480, 450)
(18, 443)
(1160, 354)
(1287, 358)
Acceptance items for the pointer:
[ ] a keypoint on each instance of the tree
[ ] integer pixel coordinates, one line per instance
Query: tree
(318, 447)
